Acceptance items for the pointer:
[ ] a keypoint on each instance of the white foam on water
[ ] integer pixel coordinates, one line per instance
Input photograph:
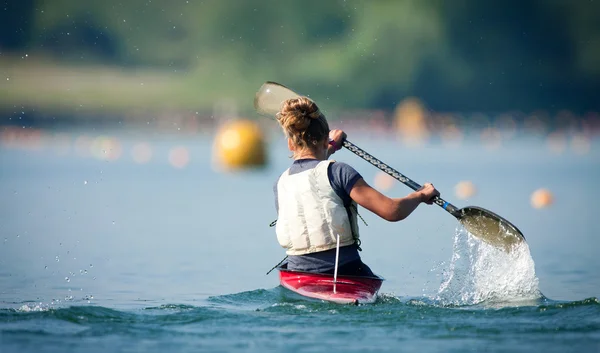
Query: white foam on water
(480, 272)
(26, 308)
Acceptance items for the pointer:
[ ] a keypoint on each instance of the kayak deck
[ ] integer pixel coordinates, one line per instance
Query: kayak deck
(348, 289)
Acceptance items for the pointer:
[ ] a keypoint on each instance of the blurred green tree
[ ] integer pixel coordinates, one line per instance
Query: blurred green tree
(456, 55)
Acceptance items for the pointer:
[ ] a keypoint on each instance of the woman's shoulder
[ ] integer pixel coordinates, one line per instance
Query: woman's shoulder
(342, 167)
(343, 176)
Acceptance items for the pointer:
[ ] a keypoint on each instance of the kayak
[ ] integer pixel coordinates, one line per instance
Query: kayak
(346, 290)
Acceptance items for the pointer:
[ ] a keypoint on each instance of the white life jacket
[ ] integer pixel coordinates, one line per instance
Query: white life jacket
(311, 214)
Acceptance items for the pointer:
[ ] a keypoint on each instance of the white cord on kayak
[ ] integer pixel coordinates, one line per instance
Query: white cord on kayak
(337, 259)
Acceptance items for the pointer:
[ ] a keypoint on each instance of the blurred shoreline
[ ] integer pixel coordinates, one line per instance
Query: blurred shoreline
(99, 137)
(377, 122)
(42, 93)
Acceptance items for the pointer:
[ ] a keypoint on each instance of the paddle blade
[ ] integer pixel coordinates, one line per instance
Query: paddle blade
(270, 97)
(490, 227)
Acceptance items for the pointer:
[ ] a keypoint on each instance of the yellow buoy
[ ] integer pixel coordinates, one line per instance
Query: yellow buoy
(541, 198)
(410, 120)
(465, 189)
(240, 144)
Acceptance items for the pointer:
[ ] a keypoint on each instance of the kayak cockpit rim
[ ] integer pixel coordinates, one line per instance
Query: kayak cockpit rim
(283, 268)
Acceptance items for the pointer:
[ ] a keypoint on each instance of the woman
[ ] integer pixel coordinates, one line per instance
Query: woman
(316, 198)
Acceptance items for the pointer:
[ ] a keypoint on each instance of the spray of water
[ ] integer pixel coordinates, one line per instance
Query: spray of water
(482, 273)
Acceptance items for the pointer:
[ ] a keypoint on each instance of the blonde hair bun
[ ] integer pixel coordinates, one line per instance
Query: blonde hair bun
(302, 121)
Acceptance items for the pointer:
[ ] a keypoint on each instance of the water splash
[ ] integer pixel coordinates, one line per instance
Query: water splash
(480, 272)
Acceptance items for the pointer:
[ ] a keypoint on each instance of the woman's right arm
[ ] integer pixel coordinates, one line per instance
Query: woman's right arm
(391, 209)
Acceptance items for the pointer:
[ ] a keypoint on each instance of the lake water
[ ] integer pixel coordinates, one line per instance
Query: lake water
(99, 255)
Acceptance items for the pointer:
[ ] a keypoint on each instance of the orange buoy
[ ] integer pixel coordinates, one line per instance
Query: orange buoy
(541, 198)
(465, 189)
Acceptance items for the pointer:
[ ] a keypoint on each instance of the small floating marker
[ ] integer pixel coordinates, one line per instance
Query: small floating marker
(383, 181)
(541, 198)
(141, 153)
(465, 189)
(239, 144)
(179, 157)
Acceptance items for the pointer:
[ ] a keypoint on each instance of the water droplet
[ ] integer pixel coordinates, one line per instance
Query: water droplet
(85, 182)
(91, 265)
(57, 258)
(67, 279)
(113, 222)
(85, 272)
(18, 235)
(45, 267)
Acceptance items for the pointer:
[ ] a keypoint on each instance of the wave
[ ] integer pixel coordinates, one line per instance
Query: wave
(90, 315)
(257, 300)
(592, 302)
(268, 308)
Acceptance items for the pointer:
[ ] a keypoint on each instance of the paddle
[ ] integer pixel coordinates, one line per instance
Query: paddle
(478, 221)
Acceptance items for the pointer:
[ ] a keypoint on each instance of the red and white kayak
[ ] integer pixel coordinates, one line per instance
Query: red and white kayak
(346, 290)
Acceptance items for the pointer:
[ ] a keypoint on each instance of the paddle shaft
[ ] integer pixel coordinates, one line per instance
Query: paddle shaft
(450, 208)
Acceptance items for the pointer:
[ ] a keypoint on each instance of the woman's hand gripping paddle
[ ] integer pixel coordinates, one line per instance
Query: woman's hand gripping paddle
(480, 222)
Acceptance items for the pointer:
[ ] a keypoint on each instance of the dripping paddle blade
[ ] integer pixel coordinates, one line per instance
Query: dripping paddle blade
(270, 97)
(490, 227)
